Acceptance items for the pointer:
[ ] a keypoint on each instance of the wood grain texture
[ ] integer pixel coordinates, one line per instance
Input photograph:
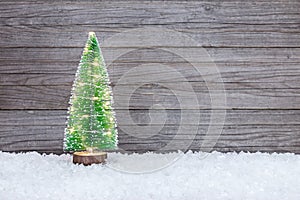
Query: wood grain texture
(229, 23)
(11, 56)
(254, 138)
(57, 97)
(28, 138)
(143, 117)
(249, 130)
(254, 44)
(282, 76)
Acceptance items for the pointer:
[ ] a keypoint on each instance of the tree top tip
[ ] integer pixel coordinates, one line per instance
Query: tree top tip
(92, 34)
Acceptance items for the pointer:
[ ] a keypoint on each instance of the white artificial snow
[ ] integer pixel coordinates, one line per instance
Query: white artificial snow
(188, 176)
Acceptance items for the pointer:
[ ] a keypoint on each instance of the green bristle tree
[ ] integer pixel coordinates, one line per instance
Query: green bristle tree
(91, 123)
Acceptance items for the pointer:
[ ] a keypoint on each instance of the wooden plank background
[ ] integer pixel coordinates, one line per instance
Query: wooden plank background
(255, 45)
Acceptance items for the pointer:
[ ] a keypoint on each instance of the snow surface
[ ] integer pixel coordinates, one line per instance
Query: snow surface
(187, 176)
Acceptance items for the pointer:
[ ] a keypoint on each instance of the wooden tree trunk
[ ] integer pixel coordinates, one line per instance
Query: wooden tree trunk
(87, 158)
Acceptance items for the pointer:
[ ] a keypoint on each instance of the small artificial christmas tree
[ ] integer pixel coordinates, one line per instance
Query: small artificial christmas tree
(91, 123)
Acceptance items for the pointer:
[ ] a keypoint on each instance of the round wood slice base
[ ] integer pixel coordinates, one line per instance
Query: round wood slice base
(87, 158)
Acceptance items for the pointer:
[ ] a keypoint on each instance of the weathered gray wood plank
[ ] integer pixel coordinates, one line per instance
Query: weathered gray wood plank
(9, 56)
(34, 97)
(202, 117)
(36, 79)
(269, 138)
(116, 69)
(230, 23)
(57, 97)
(285, 75)
(243, 130)
(204, 55)
(33, 117)
(27, 138)
(128, 148)
(170, 97)
(36, 67)
(142, 117)
(232, 136)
